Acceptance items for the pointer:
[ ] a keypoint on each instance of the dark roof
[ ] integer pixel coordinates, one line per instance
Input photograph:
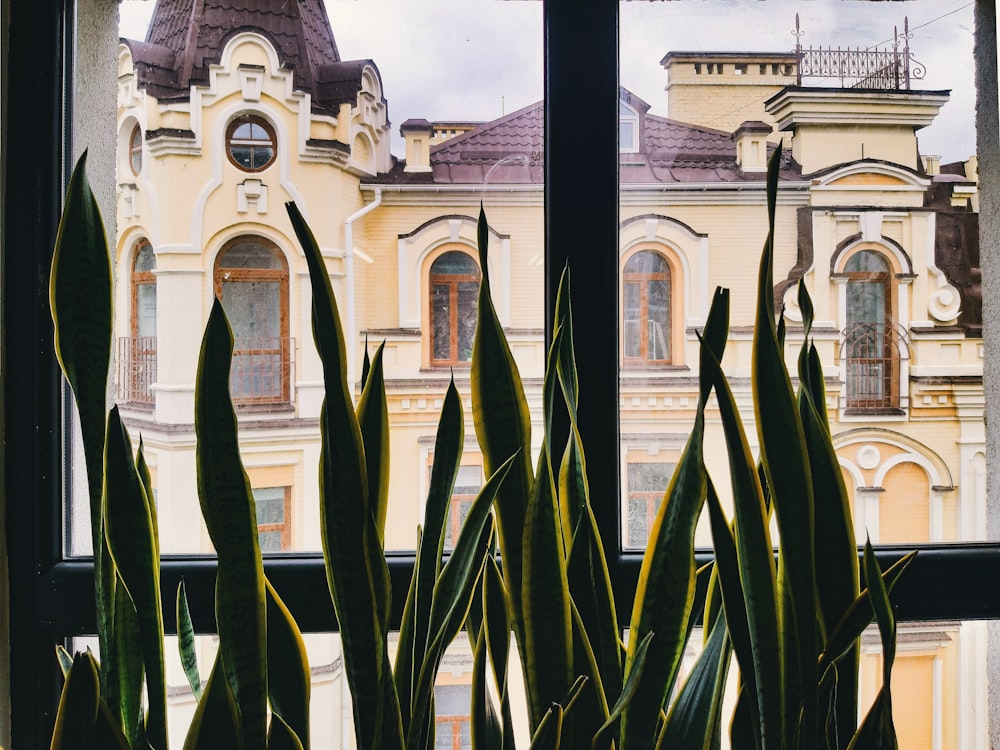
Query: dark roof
(187, 36)
(510, 151)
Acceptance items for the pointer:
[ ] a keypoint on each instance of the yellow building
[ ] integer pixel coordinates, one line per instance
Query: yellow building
(221, 123)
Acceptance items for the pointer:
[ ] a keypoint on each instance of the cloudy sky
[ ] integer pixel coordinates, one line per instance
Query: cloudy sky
(478, 59)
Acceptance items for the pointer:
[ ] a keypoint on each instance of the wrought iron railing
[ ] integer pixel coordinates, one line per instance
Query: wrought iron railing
(888, 69)
(136, 369)
(261, 370)
(870, 358)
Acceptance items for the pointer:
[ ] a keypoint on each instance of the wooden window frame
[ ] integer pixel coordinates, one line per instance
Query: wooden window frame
(135, 150)
(642, 281)
(452, 280)
(280, 275)
(272, 141)
(891, 355)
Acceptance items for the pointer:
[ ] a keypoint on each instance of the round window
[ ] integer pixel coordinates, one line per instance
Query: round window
(135, 150)
(251, 143)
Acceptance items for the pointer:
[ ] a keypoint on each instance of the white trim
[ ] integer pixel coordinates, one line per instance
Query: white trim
(412, 252)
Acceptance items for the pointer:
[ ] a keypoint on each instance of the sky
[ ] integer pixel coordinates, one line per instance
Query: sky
(485, 59)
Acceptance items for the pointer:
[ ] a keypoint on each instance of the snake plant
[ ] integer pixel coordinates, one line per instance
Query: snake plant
(792, 625)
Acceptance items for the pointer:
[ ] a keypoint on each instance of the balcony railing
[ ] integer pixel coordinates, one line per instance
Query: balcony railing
(887, 69)
(261, 371)
(871, 366)
(136, 369)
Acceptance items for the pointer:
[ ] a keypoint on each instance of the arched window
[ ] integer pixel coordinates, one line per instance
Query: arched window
(646, 309)
(251, 279)
(871, 354)
(454, 288)
(251, 143)
(137, 351)
(135, 150)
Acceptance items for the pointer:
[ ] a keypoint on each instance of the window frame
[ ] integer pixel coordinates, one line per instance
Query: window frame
(281, 275)
(643, 280)
(135, 150)
(137, 354)
(251, 118)
(452, 280)
(52, 594)
(889, 403)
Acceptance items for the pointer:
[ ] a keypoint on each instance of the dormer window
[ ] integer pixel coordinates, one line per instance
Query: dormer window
(628, 129)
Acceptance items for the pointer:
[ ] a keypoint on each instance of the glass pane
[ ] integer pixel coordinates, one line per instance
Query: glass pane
(250, 255)
(146, 310)
(866, 261)
(658, 309)
(455, 263)
(270, 502)
(380, 262)
(254, 312)
(880, 222)
(145, 260)
(631, 323)
(261, 155)
(242, 155)
(441, 312)
(468, 293)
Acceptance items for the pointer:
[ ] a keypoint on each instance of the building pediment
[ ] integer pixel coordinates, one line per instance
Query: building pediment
(870, 174)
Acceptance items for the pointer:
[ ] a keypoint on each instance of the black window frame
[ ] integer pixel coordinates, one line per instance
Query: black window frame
(50, 596)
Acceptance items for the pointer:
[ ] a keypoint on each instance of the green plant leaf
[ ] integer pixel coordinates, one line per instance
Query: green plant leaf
(496, 622)
(128, 665)
(80, 299)
(288, 678)
(590, 584)
(65, 659)
(742, 731)
(606, 733)
(366, 365)
(215, 723)
(77, 710)
(227, 505)
(548, 735)
(444, 470)
(736, 598)
(837, 579)
(355, 566)
(452, 597)
(877, 731)
(486, 728)
(280, 736)
(503, 427)
(107, 734)
(134, 550)
(750, 588)
(664, 595)
(789, 480)
(859, 616)
(373, 418)
(545, 600)
(696, 712)
(186, 642)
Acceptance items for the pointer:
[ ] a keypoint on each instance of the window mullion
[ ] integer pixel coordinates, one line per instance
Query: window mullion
(581, 228)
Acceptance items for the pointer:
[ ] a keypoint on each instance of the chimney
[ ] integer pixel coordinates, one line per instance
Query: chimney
(417, 134)
(751, 145)
(932, 164)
